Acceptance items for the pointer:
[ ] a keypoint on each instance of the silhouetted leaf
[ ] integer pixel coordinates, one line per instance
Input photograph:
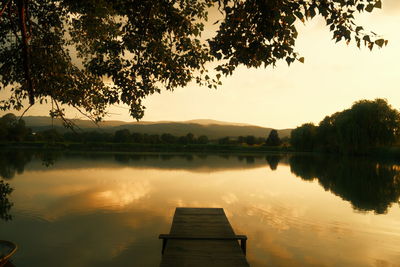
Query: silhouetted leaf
(380, 42)
(290, 19)
(369, 7)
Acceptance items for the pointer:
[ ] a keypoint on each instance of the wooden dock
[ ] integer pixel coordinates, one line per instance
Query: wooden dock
(202, 237)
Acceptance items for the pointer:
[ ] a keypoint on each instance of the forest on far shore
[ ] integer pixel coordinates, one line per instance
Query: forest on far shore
(14, 130)
(367, 125)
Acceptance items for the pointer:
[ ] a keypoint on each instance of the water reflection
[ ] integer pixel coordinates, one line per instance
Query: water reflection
(368, 184)
(48, 158)
(13, 162)
(5, 203)
(97, 238)
(273, 160)
(107, 209)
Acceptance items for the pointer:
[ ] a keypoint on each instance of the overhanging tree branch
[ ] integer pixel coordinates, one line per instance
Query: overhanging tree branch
(26, 50)
(150, 46)
(4, 8)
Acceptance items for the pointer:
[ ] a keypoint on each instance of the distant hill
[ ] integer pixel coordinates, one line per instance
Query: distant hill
(211, 128)
(213, 122)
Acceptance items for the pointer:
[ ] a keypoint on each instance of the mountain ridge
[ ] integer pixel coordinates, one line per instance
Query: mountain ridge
(211, 128)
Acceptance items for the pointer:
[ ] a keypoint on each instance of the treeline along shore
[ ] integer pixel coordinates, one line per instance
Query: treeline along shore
(367, 127)
(14, 133)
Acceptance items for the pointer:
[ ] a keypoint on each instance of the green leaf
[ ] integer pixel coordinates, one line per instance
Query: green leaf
(299, 15)
(312, 12)
(288, 60)
(290, 19)
(366, 38)
(378, 4)
(380, 42)
(369, 7)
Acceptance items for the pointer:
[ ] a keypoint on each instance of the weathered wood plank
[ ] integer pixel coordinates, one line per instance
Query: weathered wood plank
(211, 240)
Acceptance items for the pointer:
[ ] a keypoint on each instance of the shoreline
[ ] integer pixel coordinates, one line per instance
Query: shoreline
(381, 152)
(131, 147)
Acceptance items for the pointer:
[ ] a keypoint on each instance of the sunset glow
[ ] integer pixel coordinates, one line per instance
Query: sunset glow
(331, 79)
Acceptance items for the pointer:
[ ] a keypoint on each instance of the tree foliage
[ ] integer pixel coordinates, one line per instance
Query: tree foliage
(273, 138)
(303, 137)
(94, 53)
(13, 129)
(367, 124)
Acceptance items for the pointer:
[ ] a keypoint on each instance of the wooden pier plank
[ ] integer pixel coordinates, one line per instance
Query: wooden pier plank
(202, 223)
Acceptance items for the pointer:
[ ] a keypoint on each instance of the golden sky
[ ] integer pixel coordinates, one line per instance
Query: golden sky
(332, 78)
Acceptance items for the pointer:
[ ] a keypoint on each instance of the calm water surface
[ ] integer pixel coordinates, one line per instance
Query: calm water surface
(108, 209)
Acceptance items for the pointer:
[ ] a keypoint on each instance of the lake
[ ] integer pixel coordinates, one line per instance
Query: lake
(107, 209)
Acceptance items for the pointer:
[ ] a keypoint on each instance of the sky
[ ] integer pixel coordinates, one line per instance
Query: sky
(333, 76)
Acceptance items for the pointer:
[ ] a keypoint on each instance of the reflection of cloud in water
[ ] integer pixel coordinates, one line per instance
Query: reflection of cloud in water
(53, 200)
(124, 195)
(283, 235)
(278, 218)
(229, 198)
